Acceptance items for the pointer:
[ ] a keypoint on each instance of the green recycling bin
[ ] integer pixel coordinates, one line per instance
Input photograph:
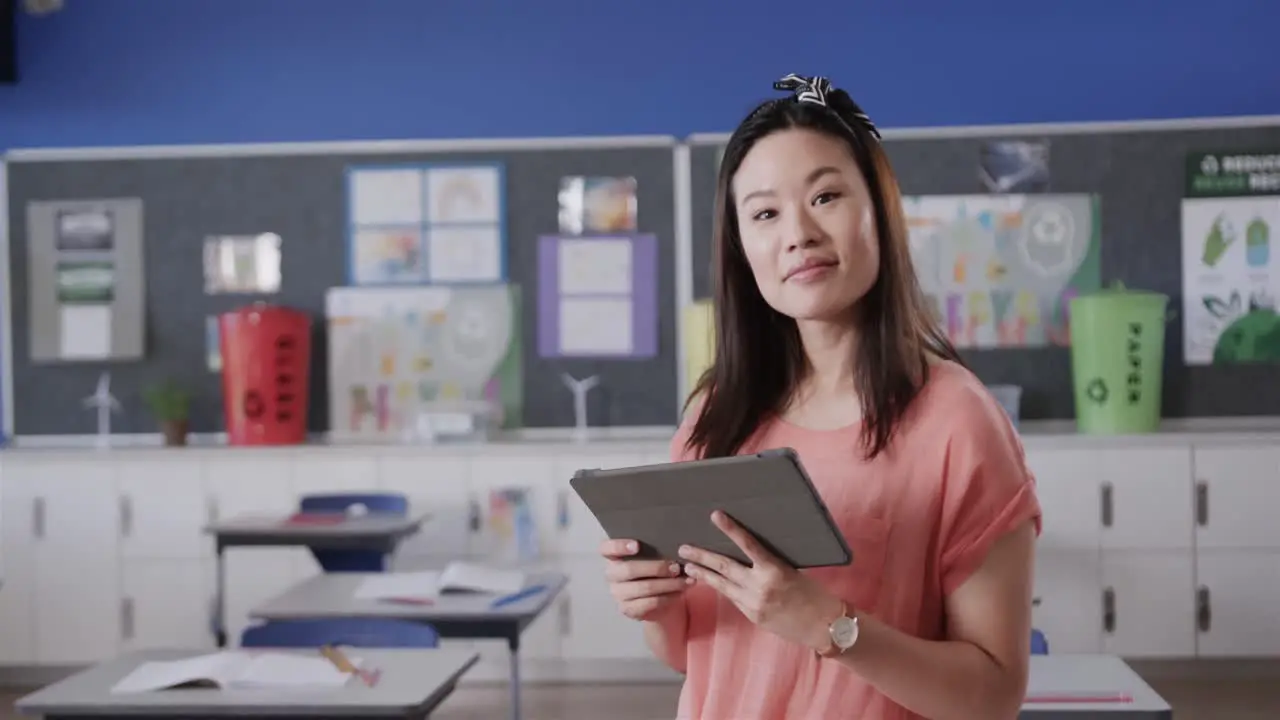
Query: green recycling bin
(1117, 359)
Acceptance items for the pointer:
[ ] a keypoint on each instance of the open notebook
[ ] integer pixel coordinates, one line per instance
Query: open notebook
(456, 577)
(235, 669)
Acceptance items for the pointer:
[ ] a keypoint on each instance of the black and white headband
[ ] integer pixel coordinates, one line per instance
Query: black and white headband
(815, 90)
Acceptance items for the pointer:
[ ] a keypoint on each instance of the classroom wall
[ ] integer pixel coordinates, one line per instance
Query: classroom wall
(105, 72)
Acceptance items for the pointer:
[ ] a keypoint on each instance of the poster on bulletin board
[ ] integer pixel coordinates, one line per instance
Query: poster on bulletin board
(396, 354)
(420, 224)
(598, 296)
(86, 280)
(1000, 270)
(1230, 277)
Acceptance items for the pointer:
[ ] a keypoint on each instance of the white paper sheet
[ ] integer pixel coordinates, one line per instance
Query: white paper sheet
(386, 197)
(595, 267)
(397, 585)
(428, 584)
(480, 578)
(236, 669)
(464, 195)
(85, 332)
(595, 326)
(464, 254)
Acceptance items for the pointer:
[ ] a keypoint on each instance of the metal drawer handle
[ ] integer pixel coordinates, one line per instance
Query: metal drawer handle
(1202, 503)
(1204, 611)
(1107, 511)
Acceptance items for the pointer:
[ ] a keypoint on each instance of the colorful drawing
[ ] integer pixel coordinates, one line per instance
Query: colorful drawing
(388, 256)
(426, 224)
(397, 353)
(999, 270)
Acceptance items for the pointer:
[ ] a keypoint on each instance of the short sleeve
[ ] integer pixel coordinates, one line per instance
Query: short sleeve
(987, 489)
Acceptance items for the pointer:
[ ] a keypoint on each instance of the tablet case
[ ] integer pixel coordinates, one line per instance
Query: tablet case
(668, 505)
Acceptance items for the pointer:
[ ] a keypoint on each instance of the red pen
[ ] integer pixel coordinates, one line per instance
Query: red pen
(1079, 697)
(410, 600)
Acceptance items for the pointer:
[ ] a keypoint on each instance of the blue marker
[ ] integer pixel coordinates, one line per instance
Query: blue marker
(516, 597)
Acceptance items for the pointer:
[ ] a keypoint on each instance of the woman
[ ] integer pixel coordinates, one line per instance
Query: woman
(824, 345)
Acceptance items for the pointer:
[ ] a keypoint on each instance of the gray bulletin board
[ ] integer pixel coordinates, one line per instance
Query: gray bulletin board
(300, 194)
(1137, 170)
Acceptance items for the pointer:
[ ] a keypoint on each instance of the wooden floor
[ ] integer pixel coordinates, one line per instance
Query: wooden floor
(1244, 698)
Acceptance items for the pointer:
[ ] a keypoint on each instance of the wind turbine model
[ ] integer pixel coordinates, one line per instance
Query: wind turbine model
(579, 388)
(105, 403)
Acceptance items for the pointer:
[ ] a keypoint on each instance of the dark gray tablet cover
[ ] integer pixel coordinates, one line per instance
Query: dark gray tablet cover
(668, 505)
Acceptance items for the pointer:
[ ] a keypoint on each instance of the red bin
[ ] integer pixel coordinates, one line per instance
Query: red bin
(266, 358)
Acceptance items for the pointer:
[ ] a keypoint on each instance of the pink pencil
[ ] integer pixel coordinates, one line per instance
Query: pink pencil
(1079, 697)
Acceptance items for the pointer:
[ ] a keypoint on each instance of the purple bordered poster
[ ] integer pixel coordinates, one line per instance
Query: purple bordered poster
(598, 296)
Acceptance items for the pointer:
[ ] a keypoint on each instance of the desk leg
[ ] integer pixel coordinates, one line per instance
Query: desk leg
(513, 643)
(219, 584)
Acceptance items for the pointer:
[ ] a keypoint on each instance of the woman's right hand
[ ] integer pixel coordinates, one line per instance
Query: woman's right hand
(643, 589)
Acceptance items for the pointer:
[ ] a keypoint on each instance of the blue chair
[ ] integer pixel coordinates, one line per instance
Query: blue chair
(353, 560)
(352, 632)
(1039, 645)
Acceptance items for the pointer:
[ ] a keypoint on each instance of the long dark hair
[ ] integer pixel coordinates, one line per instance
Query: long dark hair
(759, 360)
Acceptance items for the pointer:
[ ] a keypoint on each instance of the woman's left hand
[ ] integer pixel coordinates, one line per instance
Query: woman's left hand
(772, 595)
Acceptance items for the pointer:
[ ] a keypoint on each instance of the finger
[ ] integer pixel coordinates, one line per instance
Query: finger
(721, 565)
(619, 548)
(649, 588)
(638, 609)
(623, 570)
(722, 585)
(743, 539)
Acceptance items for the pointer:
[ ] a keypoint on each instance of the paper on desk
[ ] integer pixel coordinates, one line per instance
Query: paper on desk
(479, 578)
(235, 669)
(456, 577)
(400, 585)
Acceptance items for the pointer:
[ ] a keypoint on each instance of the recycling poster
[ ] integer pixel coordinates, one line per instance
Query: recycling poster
(1230, 277)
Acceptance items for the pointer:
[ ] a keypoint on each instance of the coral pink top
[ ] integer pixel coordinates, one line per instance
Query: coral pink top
(920, 518)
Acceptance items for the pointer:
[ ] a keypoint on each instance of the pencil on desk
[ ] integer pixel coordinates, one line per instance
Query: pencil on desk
(344, 664)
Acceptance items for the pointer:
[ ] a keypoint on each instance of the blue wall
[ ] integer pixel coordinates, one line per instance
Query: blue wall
(191, 71)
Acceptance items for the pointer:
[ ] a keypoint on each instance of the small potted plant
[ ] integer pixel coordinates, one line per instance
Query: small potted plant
(170, 404)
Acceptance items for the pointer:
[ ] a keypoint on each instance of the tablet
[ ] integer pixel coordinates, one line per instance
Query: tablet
(668, 505)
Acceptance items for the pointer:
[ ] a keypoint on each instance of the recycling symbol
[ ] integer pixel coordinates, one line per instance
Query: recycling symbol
(254, 407)
(1097, 391)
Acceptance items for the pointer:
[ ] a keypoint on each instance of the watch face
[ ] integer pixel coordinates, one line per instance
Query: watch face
(844, 632)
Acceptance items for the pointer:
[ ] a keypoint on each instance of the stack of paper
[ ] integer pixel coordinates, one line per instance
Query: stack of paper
(235, 669)
(456, 577)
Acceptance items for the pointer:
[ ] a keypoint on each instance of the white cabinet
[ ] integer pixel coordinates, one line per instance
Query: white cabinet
(166, 604)
(1237, 491)
(1162, 550)
(1068, 587)
(594, 628)
(1146, 498)
(163, 508)
(1237, 539)
(77, 561)
(1148, 606)
(253, 483)
(1236, 600)
(437, 487)
(533, 474)
(19, 524)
